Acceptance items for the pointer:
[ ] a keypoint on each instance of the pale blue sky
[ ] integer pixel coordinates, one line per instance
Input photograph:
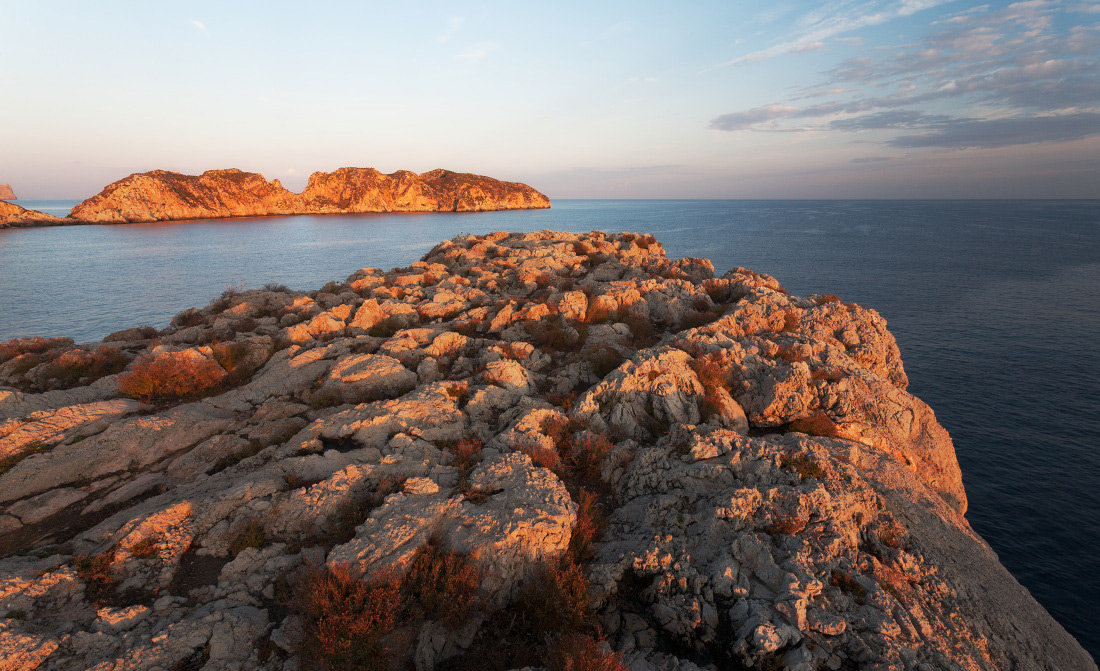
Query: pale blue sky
(735, 99)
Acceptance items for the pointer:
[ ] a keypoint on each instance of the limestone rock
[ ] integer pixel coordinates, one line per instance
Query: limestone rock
(775, 497)
(161, 195)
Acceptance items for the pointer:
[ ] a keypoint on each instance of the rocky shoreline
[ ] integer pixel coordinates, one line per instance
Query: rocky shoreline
(161, 195)
(541, 449)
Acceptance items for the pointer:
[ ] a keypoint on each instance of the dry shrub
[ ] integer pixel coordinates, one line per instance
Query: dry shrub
(189, 318)
(578, 652)
(169, 377)
(346, 620)
(711, 373)
(604, 360)
(789, 523)
(552, 334)
(805, 466)
(251, 536)
(817, 424)
(790, 321)
(78, 366)
(544, 458)
(95, 571)
(589, 527)
(458, 391)
(554, 600)
(641, 329)
(588, 453)
(440, 586)
(145, 548)
(32, 345)
(467, 453)
(565, 401)
(355, 512)
(828, 298)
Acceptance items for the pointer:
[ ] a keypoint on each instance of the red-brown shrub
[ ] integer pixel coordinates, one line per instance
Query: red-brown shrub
(588, 453)
(440, 586)
(589, 527)
(171, 376)
(78, 366)
(817, 424)
(578, 652)
(32, 345)
(554, 600)
(346, 620)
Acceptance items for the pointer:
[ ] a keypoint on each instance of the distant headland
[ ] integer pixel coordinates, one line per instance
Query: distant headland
(6, 193)
(161, 195)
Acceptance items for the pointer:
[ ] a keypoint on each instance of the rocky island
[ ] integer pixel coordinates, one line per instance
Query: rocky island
(6, 193)
(526, 450)
(216, 194)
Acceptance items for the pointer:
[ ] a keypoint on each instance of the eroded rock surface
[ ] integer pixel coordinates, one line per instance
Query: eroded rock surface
(774, 496)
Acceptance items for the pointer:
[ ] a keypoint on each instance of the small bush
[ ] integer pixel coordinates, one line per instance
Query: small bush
(15, 615)
(589, 527)
(251, 536)
(828, 298)
(554, 600)
(78, 366)
(145, 548)
(787, 523)
(440, 586)
(95, 571)
(790, 321)
(170, 377)
(604, 360)
(578, 652)
(805, 466)
(32, 345)
(588, 454)
(345, 620)
(817, 424)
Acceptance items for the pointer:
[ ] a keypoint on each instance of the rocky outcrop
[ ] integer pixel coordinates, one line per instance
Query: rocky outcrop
(164, 196)
(13, 216)
(6, 193)
(601, 446)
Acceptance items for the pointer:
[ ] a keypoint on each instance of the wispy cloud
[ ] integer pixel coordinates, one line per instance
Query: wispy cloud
(478, 51)
(453, 26)
(833, 19)
(985, 133)
(199, 25)
(1010, 74)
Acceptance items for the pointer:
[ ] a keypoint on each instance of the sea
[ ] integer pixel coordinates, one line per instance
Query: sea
(995, 306)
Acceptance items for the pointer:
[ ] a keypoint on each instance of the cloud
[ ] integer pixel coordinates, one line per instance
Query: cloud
(749, 118)
(478, 51)
(889, 120)
(987, 133)
(985, 77)
(832, 19)
(453, 26)
(871, 159)
(198, 24)
(810, 46)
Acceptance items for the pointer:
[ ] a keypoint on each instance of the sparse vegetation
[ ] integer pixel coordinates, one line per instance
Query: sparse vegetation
(252, 535)
(804, 465)
(817, 424)
(169, 377)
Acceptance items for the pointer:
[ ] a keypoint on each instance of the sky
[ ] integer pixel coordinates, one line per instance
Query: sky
(730, 99)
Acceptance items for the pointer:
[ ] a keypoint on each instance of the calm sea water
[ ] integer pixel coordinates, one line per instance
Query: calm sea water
(995, 305)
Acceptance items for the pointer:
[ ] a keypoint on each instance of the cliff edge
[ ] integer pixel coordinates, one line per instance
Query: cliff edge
(542, 449)
(6, 193)
(164, 196)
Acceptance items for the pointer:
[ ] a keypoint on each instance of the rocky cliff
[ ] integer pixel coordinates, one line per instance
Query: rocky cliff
(162, 196)
(13, 216)
(547, 449)
(6, 193)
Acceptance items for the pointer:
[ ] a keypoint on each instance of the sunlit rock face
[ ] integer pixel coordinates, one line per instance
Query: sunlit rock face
(162, 196)
(774, 496)
(12, 216)
(6, 193)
